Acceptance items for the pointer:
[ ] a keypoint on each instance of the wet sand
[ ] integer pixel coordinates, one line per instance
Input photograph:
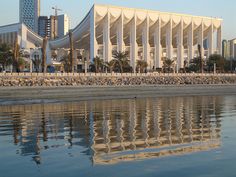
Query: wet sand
(23, 95)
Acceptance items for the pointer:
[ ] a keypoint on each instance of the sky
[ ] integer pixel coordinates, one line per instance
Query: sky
(77, 9)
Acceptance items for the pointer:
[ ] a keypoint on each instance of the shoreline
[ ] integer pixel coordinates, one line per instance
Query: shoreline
(34, 95)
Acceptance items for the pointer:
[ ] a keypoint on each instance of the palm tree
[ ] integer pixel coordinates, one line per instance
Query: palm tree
(200, 57)
(121, 61)
(72, 61)
(16, 55)
(168, 64)
(218, 60)
(66, 62)
(44, 56)
(141, 66)
(98, 64)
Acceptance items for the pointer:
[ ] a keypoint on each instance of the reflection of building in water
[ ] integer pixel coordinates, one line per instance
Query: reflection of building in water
(151, 129)
(115, 131)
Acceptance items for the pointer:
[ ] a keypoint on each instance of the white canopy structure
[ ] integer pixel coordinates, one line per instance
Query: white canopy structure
(143, 34)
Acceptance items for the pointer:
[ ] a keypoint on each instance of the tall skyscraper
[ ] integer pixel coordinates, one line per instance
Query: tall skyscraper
(29, 13)
(44, 26)
(63, 25)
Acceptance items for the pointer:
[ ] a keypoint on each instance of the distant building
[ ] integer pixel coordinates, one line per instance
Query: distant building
(63, 25)
(53, 21)
(232, 48)
(43, 26)
(29, 11)
(226, 49)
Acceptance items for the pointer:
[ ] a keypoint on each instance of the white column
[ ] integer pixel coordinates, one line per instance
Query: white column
(133, 44)
(200, 38)
(158, 47)
(93, 41)
(120, 34)
(210, 40)
(107, 48)
(180, 52)
(190, 42)
(219, 40)
(169, 46)
(146, 45)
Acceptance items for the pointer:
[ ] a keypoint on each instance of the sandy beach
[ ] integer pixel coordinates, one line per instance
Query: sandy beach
(18, 95)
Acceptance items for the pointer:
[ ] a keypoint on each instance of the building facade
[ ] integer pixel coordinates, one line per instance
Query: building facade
(29, 12)
(63, 25)
(145, 35)
(43, 26)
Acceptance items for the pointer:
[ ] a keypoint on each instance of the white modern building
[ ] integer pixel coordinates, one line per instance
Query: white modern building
(63, 25)
(144, 35)
(29, 12)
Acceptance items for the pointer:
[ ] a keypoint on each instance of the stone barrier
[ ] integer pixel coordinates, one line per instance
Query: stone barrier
(111, 79)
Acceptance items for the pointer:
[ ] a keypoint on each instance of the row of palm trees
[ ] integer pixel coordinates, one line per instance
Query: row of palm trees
(120, 63)
(11, 56)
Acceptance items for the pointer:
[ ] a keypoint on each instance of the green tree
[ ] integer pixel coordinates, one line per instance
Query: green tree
(120, 62)
(141, 66)
(195, 65)
(6, 56)
(98, 64)
(168, 65)
(218, 60)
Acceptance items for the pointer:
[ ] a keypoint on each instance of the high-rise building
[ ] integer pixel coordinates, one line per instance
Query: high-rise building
(63, 25)
(53, 21)
(29, 13)
(43, 26)
(226, 46)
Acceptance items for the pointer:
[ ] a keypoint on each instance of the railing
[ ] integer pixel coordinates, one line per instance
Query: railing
(154, 74)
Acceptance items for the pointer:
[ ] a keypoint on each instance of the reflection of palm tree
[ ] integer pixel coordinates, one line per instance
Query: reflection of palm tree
(141, 65)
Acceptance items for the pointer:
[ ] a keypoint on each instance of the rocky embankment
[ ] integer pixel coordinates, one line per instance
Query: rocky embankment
(52, 81)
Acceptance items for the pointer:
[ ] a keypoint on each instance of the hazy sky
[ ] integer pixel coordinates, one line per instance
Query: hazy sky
(77, 9)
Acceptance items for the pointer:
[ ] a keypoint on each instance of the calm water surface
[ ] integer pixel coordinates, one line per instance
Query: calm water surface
(171, 137)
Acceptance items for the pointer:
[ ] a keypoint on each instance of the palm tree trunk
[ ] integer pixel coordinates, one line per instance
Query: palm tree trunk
(44, 57)
(71, 52)
(16, 56)
(200, 57)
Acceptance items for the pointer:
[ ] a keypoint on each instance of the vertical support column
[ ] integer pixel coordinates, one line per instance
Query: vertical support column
(219, 40)
(120, 34)
(158, 47)
(93, 41)
(146, 46)
(190, 42)
(133, 44)
(169, 40)
(107, 48)
(200, 38)
(210, 40)
(180, 46)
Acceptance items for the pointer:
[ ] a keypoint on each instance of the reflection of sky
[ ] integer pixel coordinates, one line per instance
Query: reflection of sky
(115, 131)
